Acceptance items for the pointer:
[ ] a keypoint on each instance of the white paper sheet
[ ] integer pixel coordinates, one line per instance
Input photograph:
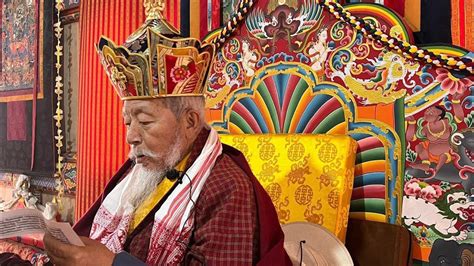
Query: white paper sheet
(30, 221)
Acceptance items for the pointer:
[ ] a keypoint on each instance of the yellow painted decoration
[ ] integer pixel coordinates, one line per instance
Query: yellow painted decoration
(451, 61)
(413, 49)
(368, 216)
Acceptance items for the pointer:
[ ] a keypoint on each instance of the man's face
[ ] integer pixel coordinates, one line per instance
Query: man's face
(152, 133)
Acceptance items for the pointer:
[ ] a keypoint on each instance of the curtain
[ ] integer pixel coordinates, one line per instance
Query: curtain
(462, 23)
(101, 134)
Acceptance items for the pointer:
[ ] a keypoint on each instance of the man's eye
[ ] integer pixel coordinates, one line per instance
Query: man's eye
(145, 123)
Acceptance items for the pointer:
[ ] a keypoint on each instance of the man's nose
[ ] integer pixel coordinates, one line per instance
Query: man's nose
(133, 136)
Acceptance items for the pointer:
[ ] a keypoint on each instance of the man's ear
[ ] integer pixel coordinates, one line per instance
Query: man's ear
(192, 123)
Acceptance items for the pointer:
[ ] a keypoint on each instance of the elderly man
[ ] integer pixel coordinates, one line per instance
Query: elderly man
(183, 197)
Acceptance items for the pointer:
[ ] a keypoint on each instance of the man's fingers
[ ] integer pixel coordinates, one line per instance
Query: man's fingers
(87, 241)
(56, 247)
(56, 260)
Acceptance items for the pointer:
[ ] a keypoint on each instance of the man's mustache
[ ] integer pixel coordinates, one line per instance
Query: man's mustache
(135, 153)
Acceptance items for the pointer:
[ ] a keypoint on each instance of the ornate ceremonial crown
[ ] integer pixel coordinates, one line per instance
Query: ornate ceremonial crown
(155, 61)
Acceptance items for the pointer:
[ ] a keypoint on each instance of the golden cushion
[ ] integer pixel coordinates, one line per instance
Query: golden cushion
(308, 177)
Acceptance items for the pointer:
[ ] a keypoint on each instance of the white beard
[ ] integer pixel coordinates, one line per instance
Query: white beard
(144, 181)
(142, 184)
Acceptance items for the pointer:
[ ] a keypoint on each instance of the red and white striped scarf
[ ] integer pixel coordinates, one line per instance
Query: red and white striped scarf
(173, 221)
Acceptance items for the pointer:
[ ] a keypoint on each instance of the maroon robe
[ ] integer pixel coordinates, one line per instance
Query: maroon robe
(235, 220)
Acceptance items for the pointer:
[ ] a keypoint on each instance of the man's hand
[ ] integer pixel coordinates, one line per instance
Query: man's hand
(93, 253)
